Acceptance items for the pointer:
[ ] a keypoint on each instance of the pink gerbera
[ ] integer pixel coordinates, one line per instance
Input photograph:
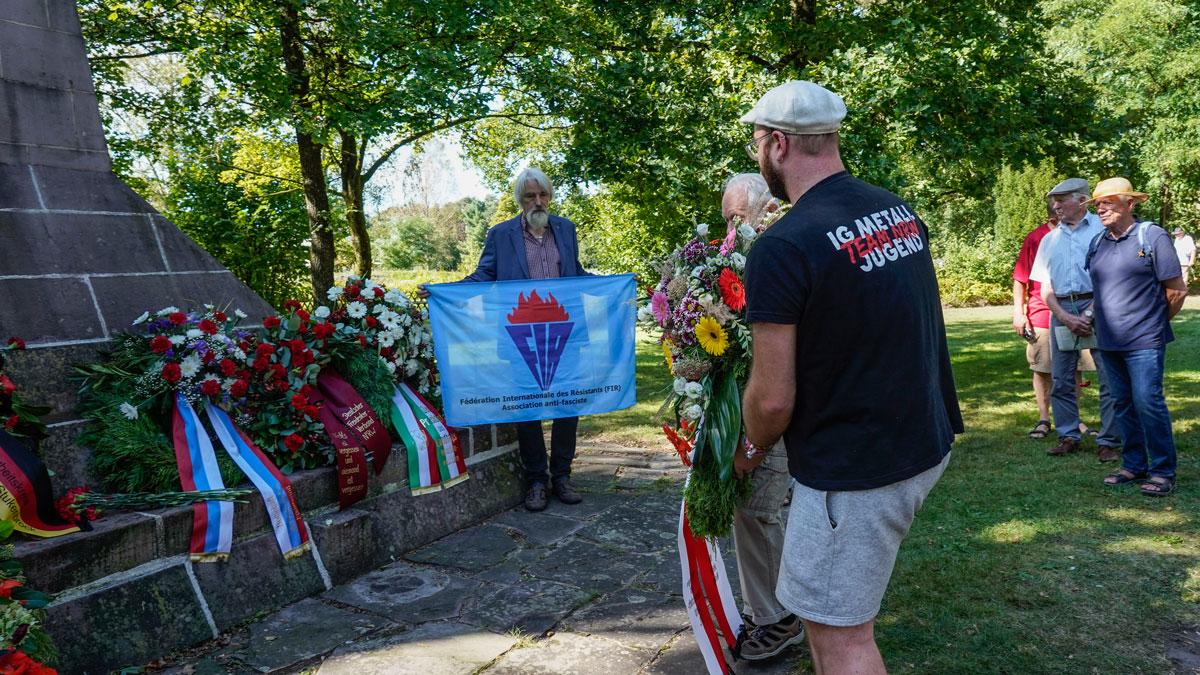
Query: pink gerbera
(659, 307)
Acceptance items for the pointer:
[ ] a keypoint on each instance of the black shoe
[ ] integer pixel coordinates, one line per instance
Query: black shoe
(566, 492)
(535, 499)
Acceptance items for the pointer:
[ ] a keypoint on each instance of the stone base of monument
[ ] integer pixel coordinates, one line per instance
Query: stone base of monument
(126, 592)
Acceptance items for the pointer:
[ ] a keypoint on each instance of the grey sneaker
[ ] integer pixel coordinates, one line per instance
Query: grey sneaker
(566, 492)
(764, 642)
(536, 499)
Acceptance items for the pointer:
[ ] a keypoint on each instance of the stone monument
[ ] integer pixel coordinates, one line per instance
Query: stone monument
(81, 256)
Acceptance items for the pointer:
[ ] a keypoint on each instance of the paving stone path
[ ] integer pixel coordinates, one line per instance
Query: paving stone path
(586, 589)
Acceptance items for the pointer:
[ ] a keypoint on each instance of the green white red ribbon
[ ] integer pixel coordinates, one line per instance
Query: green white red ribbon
(435, 459)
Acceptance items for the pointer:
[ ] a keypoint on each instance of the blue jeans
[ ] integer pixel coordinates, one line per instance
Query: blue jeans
(1063, 401)
(1136, 379)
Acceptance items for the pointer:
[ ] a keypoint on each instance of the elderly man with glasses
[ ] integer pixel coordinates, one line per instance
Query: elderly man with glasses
(1060, 267)
(1139, 289)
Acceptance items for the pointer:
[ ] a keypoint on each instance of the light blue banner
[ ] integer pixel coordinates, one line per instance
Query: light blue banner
(512, 351)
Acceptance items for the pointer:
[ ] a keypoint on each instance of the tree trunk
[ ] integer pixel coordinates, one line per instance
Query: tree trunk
(350, 163)
(312, 169)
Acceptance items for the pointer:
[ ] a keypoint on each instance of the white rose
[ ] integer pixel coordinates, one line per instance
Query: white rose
(239, 314)
(356, 310)
(177, 340)
(693, 389)
(644, 313)
(739, 260)
(702, 230)
(321, 312)
(167, 310)
(140, 320)
(680, 386)
(747, 232)
(410, 366)
(129, 410)
(395, 297)
(195, 333)
(334, 293)
(693, 412)
(391, 367)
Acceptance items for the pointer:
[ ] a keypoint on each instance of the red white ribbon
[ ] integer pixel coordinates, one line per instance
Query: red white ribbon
(707, 596)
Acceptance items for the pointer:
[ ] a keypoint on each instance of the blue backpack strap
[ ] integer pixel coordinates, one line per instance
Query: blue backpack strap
(1141, 235)
(1087, 262)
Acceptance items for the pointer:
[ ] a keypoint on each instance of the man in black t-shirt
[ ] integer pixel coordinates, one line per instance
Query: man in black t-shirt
(850, 368)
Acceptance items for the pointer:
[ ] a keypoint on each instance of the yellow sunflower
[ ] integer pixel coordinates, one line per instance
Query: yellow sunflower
(712, 337)
(666, 347)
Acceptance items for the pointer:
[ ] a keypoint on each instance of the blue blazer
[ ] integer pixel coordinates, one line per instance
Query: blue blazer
(503, 254)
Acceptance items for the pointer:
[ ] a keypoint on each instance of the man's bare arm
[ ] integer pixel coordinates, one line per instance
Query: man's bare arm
(771, 393)
(1019, 293)
(1176, 293)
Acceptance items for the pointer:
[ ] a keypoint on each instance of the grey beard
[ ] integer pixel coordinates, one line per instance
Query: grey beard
(538, 219)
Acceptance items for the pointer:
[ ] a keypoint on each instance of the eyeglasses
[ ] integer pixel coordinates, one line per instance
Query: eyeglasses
(752, 146)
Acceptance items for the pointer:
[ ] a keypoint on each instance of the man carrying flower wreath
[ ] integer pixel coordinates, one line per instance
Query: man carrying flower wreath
(850, 367)
(536, 245)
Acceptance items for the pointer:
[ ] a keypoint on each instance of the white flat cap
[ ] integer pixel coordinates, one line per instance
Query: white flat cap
(798, 107)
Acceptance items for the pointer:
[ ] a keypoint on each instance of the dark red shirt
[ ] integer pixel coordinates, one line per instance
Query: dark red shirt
(1035, 308)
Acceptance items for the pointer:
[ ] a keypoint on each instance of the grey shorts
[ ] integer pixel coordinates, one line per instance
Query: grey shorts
(840, 547)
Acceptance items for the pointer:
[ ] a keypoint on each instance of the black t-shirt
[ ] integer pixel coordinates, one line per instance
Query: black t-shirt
(849, 265)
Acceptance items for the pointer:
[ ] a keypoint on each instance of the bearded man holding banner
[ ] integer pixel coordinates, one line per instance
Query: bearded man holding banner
(536, 245)
(850, 368)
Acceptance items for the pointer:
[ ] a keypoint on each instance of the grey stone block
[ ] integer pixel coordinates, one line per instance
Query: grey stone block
(68, 158)
(42, 57)
(31, 12)
(128, 623)
(346, 542)
(122, 299)
(89, 129)
(542, 529)
(432, 649)
(476, 548)
(571, 654)
(301, 632)
(505, 434)
(44, 374)
(59, 243)
(63, 456)
(586, 565)
(16, 188)
(80, 190)
(117, 542)
(532, 607)
(63, 15)
(256, 569)
(35, 115)
(48, 310)
(634, 528)
(410, 594)
(182, 253)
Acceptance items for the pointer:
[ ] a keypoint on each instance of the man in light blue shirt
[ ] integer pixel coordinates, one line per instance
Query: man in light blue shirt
(1060, 266)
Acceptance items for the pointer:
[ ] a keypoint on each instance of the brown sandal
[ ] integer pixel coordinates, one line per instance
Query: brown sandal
(1121, 477)
(1158, 486)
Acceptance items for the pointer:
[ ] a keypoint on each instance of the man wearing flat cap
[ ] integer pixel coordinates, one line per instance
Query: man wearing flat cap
(1060, 267)
(1185, 248)
(1139, 289)
(850, 368)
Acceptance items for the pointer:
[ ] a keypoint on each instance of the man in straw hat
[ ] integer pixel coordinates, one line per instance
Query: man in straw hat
(1139, 288)
(850, 368)
(1067, 290)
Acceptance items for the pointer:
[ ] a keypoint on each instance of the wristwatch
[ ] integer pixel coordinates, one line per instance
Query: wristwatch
(752, 449)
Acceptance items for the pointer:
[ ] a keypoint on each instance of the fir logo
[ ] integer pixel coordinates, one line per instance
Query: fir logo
(540, 330)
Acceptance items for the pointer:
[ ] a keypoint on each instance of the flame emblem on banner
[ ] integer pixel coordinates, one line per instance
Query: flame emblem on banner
(540, 330)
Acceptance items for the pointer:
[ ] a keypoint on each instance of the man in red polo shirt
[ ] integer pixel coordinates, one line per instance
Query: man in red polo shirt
(1031, 320)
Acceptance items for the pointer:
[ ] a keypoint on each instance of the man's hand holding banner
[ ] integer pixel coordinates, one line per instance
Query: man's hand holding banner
(512, 351)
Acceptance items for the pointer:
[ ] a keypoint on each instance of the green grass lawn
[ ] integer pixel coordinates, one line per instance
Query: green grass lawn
(1020, 562)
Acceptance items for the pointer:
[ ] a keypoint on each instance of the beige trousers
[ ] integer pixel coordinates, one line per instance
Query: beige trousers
(758, 538)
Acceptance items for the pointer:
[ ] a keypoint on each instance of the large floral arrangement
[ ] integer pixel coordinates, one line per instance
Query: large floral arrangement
(698, 311)
(129, 397)
(24, 645)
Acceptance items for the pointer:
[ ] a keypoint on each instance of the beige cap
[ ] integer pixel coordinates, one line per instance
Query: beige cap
(1111, 187)
(798, 107)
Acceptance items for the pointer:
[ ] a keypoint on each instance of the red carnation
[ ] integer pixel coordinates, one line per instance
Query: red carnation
(170, 372)
(296, 346)
(299, 401)
(302, 328)
(312, 412)
(208, 326)
(177, 318)
(160, 344)
(12, 422)
(732, 290)
(210, 387)
(238, 389)
(352, 291)
(7, 386)
(261, 363)
(20, 663)
(278, 372)
(264, 349)
(271, 322)
(228, 367)
(323, 330)
(294, 442)
(8, 586)
(362, 340)
(378, 292)
(372, 321)
(281, 385)
(15, 342)
(302, 314)
(291, 305)
(208, 357)
(220, 316)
